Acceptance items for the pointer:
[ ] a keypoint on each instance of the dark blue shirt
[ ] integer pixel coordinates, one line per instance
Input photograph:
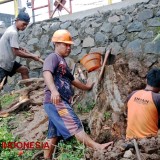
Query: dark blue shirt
(61, 75)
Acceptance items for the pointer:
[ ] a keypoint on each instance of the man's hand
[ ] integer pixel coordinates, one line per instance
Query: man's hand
(21, 52)
(36, 58)
(80, 85)
(89, 85)
(55, 97)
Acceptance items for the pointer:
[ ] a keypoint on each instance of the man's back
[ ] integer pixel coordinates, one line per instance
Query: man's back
(142, 114)
(8, 40)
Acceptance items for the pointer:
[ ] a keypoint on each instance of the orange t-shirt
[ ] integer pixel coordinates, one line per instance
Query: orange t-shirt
(142, 115)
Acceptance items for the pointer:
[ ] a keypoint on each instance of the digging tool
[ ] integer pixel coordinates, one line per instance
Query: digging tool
(40, 60)
(81, 75)
(2, 83)
(126, 146)
(80, 72)
(74, 68)
(137, 149)
(104, 63)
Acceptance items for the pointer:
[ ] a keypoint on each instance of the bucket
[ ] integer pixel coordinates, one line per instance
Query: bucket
(91, 61)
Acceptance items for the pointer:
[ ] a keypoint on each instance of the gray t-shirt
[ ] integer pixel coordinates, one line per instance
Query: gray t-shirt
(8, 40)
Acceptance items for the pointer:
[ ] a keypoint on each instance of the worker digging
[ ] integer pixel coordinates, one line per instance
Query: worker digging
(63, 122)
(9, 49)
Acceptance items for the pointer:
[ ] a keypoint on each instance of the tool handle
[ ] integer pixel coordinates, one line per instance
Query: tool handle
(81, 75)
(104, 63)
(137, 149)
(2, 83)
(41, 60)
(74, 67)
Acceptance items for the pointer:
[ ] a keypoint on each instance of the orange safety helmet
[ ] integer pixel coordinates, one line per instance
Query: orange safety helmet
(63, 36)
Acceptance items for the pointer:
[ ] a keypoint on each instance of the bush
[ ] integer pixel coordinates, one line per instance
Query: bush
(70, 150)
(6, 136)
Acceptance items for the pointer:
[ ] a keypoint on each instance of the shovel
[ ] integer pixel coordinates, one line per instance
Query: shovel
(82, 75)
(2, 83)
(137, 149)
(104, 63)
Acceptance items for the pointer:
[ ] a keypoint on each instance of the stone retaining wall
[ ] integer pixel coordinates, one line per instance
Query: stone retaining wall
(126, 27)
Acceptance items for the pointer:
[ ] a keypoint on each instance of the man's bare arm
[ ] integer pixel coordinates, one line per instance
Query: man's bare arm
(25, 54)
(82, 86)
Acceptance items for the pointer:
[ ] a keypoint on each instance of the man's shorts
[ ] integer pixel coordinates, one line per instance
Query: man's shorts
(4, 73)
(62, 120)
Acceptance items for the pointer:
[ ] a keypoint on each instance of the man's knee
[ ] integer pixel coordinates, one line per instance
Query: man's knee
(23, 70)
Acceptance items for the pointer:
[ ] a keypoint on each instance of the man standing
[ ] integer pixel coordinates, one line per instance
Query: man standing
(144, 108)
(9, 49)
(58, 93)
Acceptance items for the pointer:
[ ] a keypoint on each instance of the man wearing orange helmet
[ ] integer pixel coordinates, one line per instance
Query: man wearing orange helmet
(58, 93)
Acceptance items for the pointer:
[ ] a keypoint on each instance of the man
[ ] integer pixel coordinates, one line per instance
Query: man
(144, 108)
(9, 49)
(58, 93)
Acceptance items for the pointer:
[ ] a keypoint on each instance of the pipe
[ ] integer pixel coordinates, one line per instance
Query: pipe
(49, 8)
(16, 5)
(15, 8)
(39, 7)
(33, 14)
(5, 1)
(109, 1)
(70, 4)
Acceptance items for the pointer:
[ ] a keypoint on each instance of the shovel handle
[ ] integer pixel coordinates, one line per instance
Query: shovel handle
(40, 60)
(73, 70)
(137, 149)
(81, 74)
(2, 83)
(104, 63)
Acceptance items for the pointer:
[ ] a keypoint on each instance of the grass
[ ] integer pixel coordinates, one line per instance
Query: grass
(107, 115)
(70, 150)
(89, 105)
(7, 99)
(6, 136)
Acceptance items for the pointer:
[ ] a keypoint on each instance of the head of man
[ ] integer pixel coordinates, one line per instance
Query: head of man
(153, 79)
(22, 20)
(63, 41)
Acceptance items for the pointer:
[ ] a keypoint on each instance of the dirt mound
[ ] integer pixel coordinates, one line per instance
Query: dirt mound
(148, 149)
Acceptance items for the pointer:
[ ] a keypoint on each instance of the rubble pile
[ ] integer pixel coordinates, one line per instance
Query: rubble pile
(148, 149)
